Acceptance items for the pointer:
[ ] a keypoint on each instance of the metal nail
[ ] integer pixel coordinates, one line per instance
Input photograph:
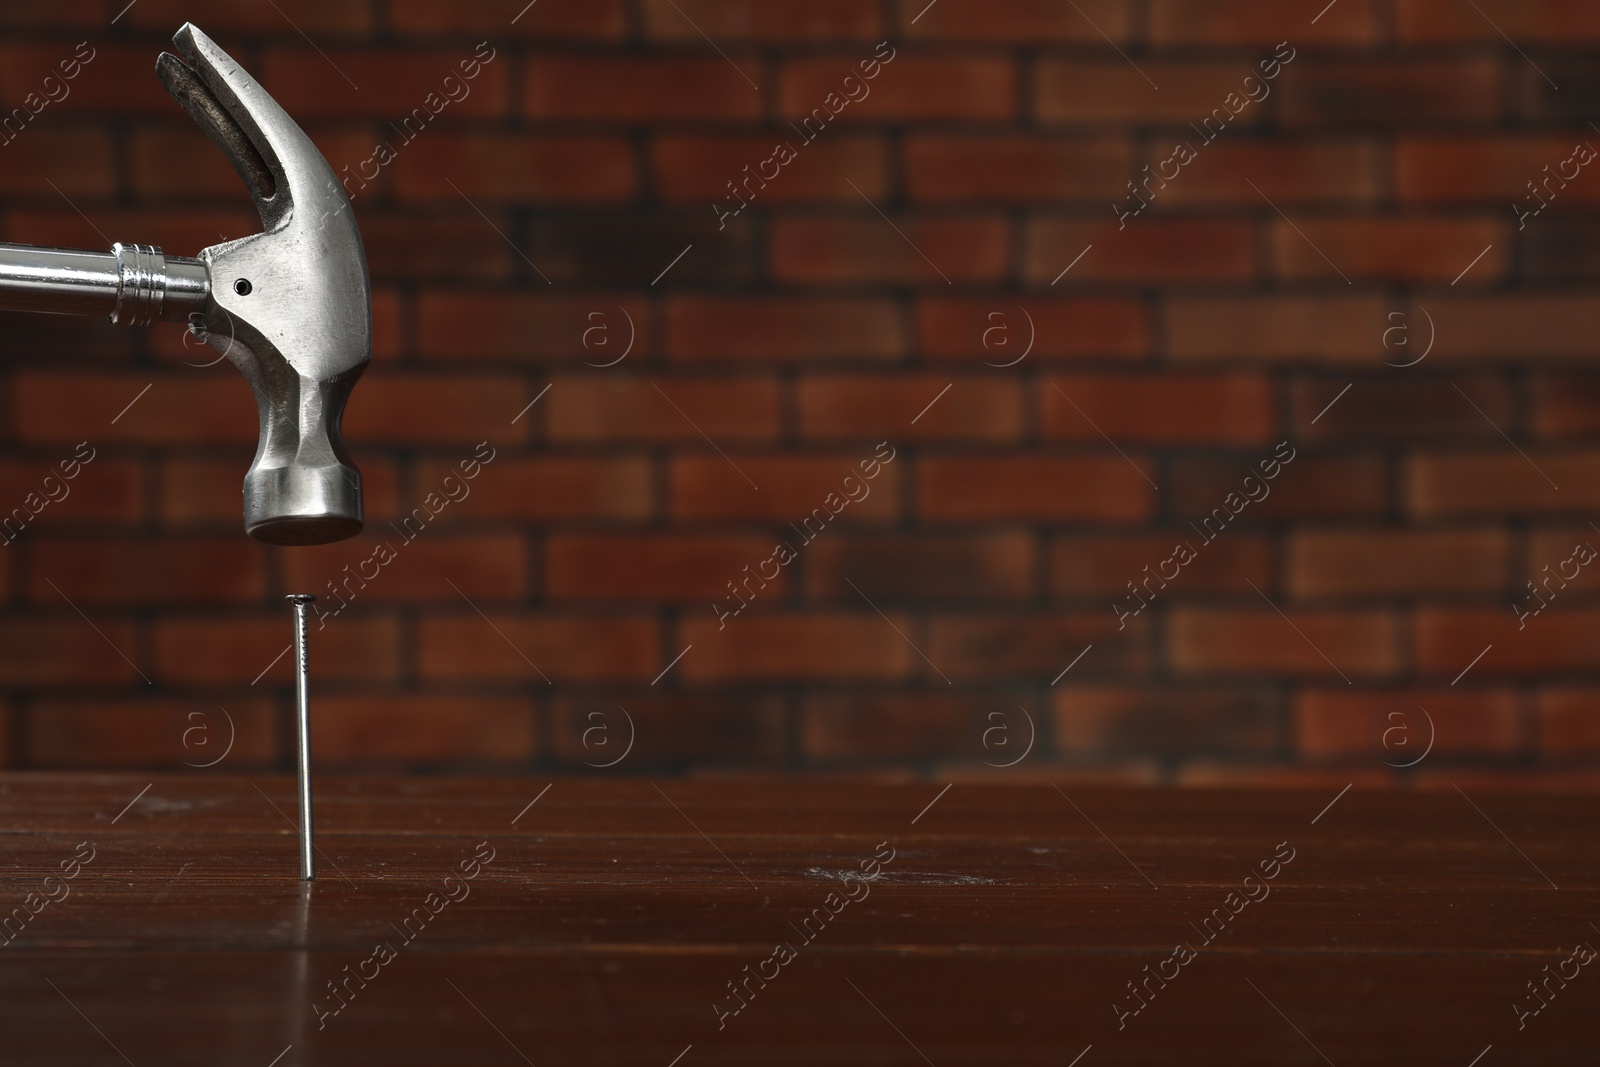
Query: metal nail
(302, 699)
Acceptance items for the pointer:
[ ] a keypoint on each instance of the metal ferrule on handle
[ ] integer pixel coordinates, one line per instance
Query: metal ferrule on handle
(132, 285)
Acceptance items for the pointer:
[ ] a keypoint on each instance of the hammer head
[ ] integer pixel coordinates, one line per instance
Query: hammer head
(291, 306)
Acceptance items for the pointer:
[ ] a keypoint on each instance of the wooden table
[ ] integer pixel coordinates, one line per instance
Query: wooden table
(1001, 924)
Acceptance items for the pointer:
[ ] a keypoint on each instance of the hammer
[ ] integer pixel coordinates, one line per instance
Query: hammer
(291, 307)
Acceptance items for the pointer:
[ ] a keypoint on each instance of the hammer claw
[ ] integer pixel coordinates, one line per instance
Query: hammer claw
(208, 113)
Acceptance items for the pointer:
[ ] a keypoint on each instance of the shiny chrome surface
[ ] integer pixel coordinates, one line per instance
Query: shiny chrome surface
(291, 306)
(132, 285)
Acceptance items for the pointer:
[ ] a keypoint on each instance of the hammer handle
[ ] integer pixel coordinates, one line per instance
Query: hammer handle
(133, 285)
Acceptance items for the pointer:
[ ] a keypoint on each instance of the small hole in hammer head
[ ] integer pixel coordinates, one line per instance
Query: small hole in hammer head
(242, 286)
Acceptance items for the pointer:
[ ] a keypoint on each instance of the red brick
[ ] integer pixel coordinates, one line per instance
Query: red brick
(1025, 22)
(1340, 329)
(868, 250)
(422, 730)
(488, 567)
(61, 649)
(1098, 720)
(908, 87)
(346, 151)
(190, 570)
(1536, 98)
(1311, 487)
(894, 728)
(1391, 249)
(551, 488)
(1015, 169)
(1112, 90)
(146, 732)
(1392, 726)
(515, 168)
(240, 652)
(1569, 721)
(1344, 171)
(1383, 92)
(117, 79)
(1550, 550)
(669, 730)
(206, 492)
(638, 247)
(1493, 485)
(876, 408)
(448, 247)
(1060, 329)
(1519, 328)
(50, 14)
(1242, 22)
(1171, 409)
(281, 17)
(1145, 252)
(698, 169)
(653, 568)
(105, 491)
(707, 328)
(417, 408)
(1565, 405)
(859, 646)
(895, 568)
(685, 21)
(517, 326)
(178, 232)
(391, 315)
(1402, 492)
(1555, 641)
(1373, 563)
(1490, 170)
(568, 648)
(1041, 646)
(787, 488)
(388, 310)
(390, 83)
(1099, 568)
(79, 161)
(1033, 487)
(590, 20)
(1211, 642)
(642, 89)
(1556, 22)
(1401, 407)
(606, 409)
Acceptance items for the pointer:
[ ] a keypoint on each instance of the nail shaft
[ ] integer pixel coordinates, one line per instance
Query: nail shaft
(302, 699)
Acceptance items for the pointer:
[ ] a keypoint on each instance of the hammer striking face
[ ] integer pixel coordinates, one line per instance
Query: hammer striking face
(291, 306)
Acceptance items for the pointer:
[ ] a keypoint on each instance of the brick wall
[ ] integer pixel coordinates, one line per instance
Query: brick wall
(1070, 372)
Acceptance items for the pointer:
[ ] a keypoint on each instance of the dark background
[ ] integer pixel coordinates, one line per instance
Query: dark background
(921, 632)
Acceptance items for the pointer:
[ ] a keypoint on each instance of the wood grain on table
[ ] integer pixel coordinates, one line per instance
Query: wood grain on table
(613, 922)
